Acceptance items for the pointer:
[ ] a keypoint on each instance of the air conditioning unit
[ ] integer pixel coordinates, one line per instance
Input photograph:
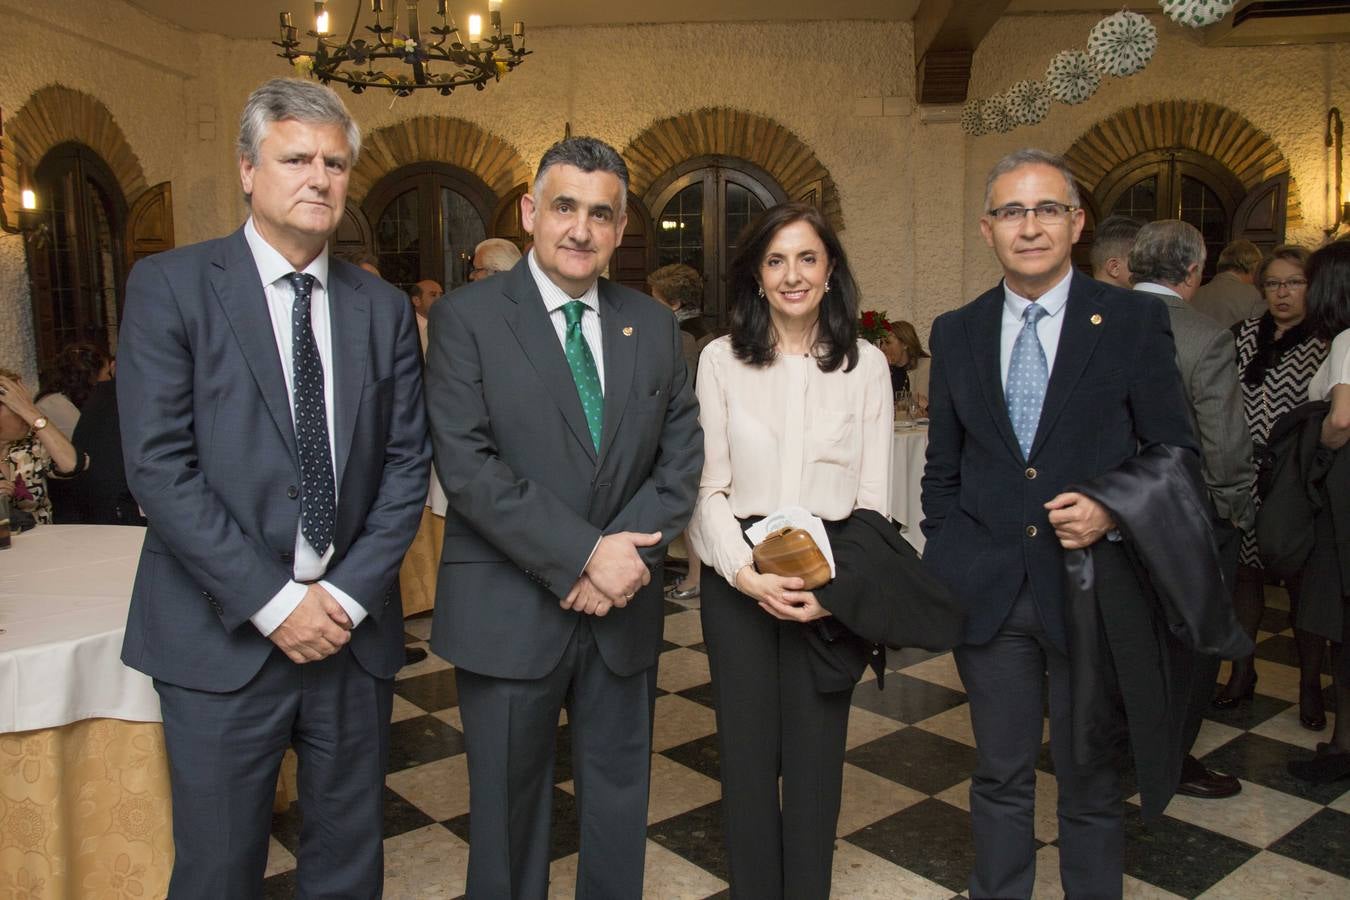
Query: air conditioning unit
(1265, 22)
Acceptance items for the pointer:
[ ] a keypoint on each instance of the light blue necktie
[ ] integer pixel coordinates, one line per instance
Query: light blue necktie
(1028, 374)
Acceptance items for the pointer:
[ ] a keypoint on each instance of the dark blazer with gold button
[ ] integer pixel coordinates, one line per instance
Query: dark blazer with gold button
(528, 494)
(211, 457)
(1114, 388)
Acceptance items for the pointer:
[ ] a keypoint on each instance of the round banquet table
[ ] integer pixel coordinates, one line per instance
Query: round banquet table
(908, 448)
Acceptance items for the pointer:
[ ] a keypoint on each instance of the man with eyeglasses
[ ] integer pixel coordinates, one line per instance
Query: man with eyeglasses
(492, 257)
(1167, 261)
(1047, 380)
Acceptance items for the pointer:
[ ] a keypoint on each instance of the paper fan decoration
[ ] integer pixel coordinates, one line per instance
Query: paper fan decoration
(972, 118)
(995, 115)
(1028, 102)
(1072, 78)
(1122, 44)
(1196, 13)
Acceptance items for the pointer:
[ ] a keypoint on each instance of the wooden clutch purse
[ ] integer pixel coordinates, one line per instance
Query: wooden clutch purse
(792, 552)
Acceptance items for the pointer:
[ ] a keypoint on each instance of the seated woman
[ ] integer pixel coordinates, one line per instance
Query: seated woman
(908, 360)
(30, 450)
(796, 411)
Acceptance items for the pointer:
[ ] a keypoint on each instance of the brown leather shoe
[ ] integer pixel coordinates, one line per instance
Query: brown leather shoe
(1198, 781)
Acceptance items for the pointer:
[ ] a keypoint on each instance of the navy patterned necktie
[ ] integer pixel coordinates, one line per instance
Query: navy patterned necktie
(311, 422)
(1028, 375)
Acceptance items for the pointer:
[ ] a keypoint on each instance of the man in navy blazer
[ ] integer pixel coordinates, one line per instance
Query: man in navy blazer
(272, 420)
(1046, 380)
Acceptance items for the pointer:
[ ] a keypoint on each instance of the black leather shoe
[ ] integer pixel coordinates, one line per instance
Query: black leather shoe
(1328, 765)
(1198, 781)
(1235, 694)
(1312, 712)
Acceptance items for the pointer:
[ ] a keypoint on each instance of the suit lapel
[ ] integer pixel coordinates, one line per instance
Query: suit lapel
(1078, 338)
(986, 333)
(529, 321)
(620, 349)
(349, 315)
(241, 296)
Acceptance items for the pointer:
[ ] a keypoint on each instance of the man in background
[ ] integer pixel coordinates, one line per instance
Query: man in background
(1111, 244)
(492, 257)
(1231, 295)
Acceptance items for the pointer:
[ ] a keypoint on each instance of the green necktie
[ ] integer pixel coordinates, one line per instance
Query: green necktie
(583, 370)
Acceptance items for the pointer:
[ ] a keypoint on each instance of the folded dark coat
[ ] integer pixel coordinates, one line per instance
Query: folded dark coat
(881, 596)
(1134, 635)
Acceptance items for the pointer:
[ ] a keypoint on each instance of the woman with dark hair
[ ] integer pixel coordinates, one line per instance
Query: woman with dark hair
(796, 411)
(68, 383)
(1323, 604)
(908, 360)
(1277, 355)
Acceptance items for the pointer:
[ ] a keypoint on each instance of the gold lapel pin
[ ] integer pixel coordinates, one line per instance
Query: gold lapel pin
(628, 331)
(1096, 319)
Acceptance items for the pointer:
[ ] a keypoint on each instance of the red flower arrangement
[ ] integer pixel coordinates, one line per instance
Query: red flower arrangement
(873, 325)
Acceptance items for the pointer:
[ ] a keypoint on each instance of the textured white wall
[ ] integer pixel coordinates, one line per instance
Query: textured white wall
(910, 190)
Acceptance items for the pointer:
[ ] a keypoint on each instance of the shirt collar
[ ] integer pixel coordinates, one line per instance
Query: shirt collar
(272, 266)
(1152, 287)
(1052, 301)
(555, 298)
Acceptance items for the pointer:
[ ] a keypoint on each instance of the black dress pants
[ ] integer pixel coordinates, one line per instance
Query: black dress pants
(772, 721)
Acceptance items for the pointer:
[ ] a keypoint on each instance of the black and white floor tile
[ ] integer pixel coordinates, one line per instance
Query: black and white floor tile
(904, 828)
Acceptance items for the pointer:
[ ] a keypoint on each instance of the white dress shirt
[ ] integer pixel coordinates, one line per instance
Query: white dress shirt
(272, 272)
(1047, 329)
(555, 298)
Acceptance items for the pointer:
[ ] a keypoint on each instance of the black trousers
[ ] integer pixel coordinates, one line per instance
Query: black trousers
(771, 722)
(224, 755)
(510, 733)
(1207, 667)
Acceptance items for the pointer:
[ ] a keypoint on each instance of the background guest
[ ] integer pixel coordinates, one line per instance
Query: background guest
(100, 495)
(1234, 293)
(1277, 356)
(492, 257)
(362, 259)
(793, 349)
(31, 450)
(908, 361)
(422, 295)
(67, 384)
(1111, 245)
(1323, 603)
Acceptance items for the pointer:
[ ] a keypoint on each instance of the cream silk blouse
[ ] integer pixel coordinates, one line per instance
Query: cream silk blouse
(787, 434)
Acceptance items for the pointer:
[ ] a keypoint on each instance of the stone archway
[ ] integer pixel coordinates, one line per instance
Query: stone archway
(54, 115)
(437, 139)
(1206, 128)
(665, 144)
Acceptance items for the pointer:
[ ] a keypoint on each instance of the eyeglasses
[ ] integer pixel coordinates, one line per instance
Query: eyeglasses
(1046, 213)
(1289, 284)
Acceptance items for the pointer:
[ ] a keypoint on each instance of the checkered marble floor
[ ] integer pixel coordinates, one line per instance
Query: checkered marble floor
(904, 829)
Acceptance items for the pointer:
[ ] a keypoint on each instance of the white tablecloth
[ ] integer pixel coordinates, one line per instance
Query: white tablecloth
(64, 591)
(907, 456)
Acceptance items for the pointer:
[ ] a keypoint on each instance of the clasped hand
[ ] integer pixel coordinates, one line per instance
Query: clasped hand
(1078, 520)
(782, 598)
(317, 628)
(613, 575)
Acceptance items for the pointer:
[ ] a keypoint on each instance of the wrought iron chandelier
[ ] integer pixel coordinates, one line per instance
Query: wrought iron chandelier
(352, 62)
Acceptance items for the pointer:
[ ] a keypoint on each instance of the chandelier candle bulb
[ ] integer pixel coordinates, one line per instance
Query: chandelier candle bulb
(377, 6)
(519, 30)
(320, 17)
(475, 28)
(413, 31)
(441, 8)
(494, 6)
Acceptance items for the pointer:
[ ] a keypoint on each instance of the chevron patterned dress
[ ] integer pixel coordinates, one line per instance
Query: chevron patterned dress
(1283, 387)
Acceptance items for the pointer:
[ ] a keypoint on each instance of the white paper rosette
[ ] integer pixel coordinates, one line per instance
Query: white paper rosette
(1028, 102)
(995, 115)
(1122, 44)
(972, 118)
(1071, 77)
(1196, 13)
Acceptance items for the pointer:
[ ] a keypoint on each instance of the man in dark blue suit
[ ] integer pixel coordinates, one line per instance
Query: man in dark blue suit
(271, 404)
(1047, 380)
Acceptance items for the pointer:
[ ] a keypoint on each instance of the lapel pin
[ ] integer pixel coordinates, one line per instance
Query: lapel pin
(628, 331)
(1096, 319)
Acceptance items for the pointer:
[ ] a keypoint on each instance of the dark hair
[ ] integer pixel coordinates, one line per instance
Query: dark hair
(752, 336)
(678, 283)
(587, 154)
(358, 257)
(1329, 290)
(73, 372)
(1292, 253)
(1114, 237)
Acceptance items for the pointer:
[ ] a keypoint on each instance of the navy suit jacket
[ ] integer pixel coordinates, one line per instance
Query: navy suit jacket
(1115, 387)
(211, 457)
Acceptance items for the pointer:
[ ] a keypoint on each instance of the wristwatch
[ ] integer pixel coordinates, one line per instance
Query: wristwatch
(39, 423)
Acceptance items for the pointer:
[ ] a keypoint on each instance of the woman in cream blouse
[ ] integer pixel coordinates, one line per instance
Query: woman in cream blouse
(796, 411)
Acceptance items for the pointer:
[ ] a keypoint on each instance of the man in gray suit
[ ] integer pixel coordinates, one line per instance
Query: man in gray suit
(1167, 260)
(567, 440)
(272, 421)
(1232, 295)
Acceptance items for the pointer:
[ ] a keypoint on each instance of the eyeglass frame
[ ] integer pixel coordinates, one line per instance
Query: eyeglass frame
(1040, 210)
(1274, 284)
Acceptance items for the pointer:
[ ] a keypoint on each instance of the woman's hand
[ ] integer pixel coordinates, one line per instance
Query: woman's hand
(782, 598)
(14, 395)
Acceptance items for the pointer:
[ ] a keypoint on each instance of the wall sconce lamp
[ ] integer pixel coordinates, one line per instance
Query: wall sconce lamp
(1335, 141)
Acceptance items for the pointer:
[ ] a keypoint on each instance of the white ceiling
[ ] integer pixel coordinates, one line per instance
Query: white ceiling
(258, 18)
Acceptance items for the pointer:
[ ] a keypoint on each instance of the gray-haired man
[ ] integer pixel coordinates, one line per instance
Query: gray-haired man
(568, 442)
(272, 421)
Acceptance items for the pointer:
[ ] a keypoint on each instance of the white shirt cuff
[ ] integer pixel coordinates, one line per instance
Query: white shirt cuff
(592, 556)
(267, 619)
(355, 611)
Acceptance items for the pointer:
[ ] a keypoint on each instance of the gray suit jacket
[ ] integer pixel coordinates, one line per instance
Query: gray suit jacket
(1207, 357)
(211, 457)
(1227, 299)
(529, 496)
